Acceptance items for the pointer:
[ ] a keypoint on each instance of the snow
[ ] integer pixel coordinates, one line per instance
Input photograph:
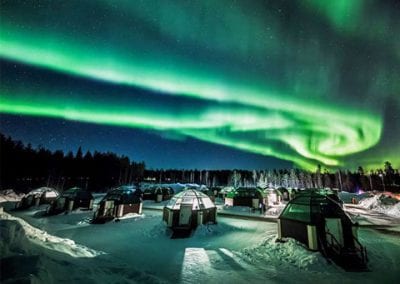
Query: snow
(346, 197)
(139, 249)
(382, 203)
(9, 195)
(46, 240)
(378, 209)
(370, 203)
(394, 211)
(49, 192)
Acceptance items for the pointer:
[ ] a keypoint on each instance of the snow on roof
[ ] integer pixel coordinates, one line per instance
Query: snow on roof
(197, 199)
(127, 188)
(124, 194)
(177, 187)
(77, 191)
(227, 189)
(47, 191)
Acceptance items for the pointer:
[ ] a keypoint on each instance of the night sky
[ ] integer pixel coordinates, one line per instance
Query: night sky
(206, 84)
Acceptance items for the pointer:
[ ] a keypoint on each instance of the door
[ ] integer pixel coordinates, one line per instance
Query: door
(185, 214)
(334, 226)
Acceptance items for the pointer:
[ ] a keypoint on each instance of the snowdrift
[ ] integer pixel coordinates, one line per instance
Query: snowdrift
(383, 204)
(30, 255)
(347, 197)
(290, 253)
(10, 195)
(43, 239)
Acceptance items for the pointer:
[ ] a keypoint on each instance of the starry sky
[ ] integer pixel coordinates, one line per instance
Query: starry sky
(206, 84)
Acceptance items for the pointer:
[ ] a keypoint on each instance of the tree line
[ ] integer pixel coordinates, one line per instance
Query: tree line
(379, 179)
(23, 168)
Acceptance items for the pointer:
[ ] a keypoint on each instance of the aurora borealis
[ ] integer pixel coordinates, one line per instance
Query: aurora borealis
(303, 81)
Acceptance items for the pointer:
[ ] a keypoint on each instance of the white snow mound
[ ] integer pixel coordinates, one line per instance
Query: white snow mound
(291, 253)
(394, 211)
(370, 202)
(42, 238)
(382, 204)
(9, 195)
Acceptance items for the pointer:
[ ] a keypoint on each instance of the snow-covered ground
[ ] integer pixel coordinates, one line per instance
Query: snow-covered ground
(375, 209)
(67, 248)
(9, 195)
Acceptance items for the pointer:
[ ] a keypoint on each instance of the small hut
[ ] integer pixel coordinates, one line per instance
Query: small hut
(117, 203)
(39, 196)
(209, 192)
(188, 209)
(274, 196)
(318, 221)
(216, 190)
(72, 199)
(284, 193)
(158, 193)
(222, 193)
(246, 196)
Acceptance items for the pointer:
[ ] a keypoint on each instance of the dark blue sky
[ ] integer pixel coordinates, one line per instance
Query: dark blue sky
(139, 145)
(159, 149)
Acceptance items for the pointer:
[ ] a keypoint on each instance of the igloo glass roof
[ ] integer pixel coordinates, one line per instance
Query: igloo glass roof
(48, 192)
(309, 206)
(197, 199)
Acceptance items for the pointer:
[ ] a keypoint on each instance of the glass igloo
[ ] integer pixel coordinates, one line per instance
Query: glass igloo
(188, 209)
(197, 199)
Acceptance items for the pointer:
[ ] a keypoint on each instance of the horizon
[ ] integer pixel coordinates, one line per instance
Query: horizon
(84, 151)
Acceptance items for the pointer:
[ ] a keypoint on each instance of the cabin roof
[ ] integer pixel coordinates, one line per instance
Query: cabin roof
(310, 206)
(247, 192)
(77, 191)
(48, 191)
(197, 199)
(124, 195)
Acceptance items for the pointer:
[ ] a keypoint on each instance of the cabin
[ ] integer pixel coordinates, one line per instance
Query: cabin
(224, 191)
(209, 192)
(246, 196)
(318, 221)
(188, 209)
(216, 190)
(118, 203)
(72, 199)
(158, 193)
(275, 196)
(39, 196)
(283, 193)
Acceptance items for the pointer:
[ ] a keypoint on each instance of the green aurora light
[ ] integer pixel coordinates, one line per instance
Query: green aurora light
(303, 115)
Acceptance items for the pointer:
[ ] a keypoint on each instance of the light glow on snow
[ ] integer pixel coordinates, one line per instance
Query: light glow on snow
(195, 261)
